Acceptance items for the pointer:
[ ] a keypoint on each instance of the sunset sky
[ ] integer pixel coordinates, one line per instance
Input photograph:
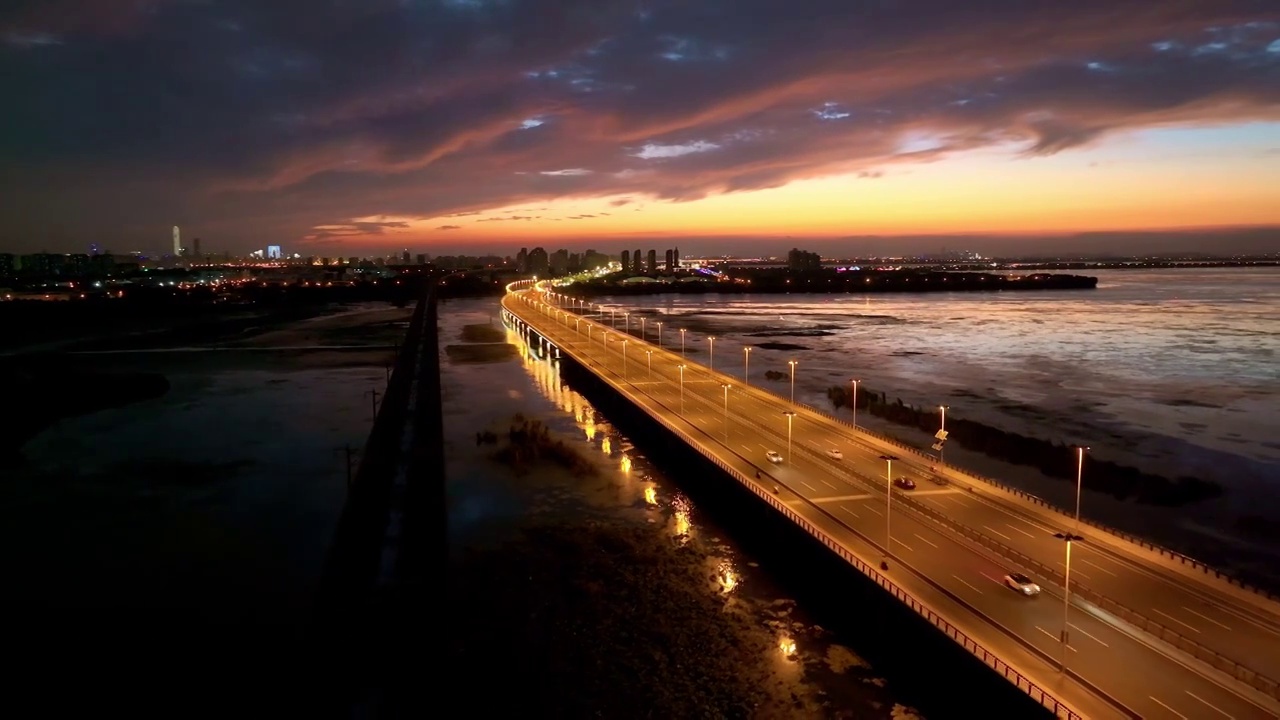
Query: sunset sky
(341, 128)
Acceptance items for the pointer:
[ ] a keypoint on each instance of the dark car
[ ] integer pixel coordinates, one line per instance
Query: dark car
(905, 482)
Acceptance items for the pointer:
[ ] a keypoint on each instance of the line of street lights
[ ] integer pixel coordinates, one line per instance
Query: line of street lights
(1067, 537)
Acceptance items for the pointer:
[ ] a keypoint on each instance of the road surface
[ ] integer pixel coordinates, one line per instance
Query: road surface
(852, 491)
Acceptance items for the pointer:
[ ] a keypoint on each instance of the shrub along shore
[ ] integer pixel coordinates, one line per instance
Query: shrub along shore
(1054, 459)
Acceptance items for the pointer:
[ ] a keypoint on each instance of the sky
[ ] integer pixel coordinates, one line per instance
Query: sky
(350, 127)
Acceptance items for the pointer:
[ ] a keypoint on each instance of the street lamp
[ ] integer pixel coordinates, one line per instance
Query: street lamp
(746, 365)
(613, 317)
(642, 335)
(792, 363)
(888, 506)
(681, 343)
(726, 387)
(1066, 596)
(626, 317)
(682, 389)
(941, 435)
(855, 402)
(1079, 478)
(624, 361)
(790, 416)
(711, 361)
(649, 354)
(659, 324)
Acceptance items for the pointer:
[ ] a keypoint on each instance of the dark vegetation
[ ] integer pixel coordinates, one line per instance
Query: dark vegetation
(529, 442)
(1054, 459)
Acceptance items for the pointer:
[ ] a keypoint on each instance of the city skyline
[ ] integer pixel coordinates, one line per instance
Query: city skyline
(470, 128)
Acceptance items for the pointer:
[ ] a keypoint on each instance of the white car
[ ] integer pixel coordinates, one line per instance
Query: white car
(1022, 584)
(835, 454)
(774, 457)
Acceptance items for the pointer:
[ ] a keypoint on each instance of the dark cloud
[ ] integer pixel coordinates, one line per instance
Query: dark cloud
(249, 119)
(449, 227)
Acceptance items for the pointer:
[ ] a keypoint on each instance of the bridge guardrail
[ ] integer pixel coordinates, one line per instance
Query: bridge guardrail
(1182, 559)
(1219, 661)
(989, 658)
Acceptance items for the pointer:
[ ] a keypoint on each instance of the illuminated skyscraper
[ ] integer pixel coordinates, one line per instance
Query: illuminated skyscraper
(177, 241)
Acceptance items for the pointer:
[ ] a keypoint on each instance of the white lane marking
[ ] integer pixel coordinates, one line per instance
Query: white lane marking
(1086, 562)
(764, 447)
(1024, 532)
(991, 579)
(837, 498)
(875, 511)
(1086, 634)
(747, 448)
(1206, 702)
(922, 538)
(967, 584)
(902, 544)
(809, 486)
(1156, 700)
(1176, 620)
(850, 512)
(1206, 617)
(1055, 638)
(1076, 572)
(824, 482)
(1006, 537)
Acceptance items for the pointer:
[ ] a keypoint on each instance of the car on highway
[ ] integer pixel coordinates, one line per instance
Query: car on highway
(1022, 584)
(774, 457)
(835, 454)
(905, 483)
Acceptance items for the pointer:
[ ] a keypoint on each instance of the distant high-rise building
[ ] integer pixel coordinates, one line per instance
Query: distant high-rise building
(177, 241)
(669, 263)
(637, 262)
(539, 264)
(422, 258)
(404, 256)
(653, 261)
(273, 252)
(195, 247)
(522, 260)
(676, 253)
(560, 262)
(626, 261)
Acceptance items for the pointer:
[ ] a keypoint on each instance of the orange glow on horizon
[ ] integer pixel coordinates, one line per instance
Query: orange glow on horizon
(988, 192)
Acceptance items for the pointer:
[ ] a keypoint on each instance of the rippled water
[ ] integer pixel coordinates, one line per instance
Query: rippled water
(1176, 371)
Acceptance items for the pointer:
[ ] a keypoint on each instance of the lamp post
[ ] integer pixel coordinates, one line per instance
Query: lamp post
(682, 389)
(649, 355)
(624, 361)
(888, 507)
(681, 343)
(642, 335)
(792, 363)
(790, 416)
(659, 324)
(726, 387)
(613, 317)
(855, 402)
(1066, 597)
(626, 318)
(711, 360)
(746, 365)
(942, 435)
